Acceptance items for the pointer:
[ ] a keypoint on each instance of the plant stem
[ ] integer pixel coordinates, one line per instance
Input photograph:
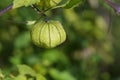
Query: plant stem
(33, 6)
(115, 6)
(40, 12)
(6, 9)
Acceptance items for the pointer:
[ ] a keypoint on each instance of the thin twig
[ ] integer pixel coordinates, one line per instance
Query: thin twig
(40, 12)
(115, 6)
(6, 9)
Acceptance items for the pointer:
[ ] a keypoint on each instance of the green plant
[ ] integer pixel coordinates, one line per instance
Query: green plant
(47, 38)
(24, 73)
(79, 58)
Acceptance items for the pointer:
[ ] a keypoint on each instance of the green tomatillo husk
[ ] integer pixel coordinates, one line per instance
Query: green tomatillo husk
(48, 34)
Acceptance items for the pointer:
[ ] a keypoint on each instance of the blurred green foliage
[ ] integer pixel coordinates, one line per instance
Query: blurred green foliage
(89, 53)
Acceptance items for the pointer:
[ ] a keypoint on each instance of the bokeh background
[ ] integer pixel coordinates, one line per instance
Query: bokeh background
(91, 51)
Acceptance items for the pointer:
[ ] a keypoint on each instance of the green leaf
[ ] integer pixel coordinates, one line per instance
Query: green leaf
(23, 40)
(73, 3)
(61, 4)
(52, 56)
(64, 75)
(8, 78)
(1, 75)
(20, 77)
(23, 70)
(20, 3)
(40, 77)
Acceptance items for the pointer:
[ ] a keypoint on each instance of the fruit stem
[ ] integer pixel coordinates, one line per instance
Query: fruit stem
(40, 12)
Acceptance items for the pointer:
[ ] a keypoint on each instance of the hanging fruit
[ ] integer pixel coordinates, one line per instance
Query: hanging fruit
(48, 34)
